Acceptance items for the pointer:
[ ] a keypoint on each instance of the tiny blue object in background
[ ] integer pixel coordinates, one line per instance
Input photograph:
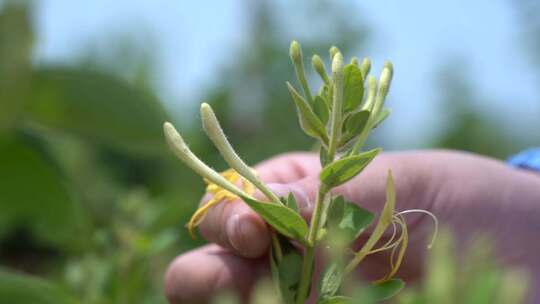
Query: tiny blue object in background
(528, 159)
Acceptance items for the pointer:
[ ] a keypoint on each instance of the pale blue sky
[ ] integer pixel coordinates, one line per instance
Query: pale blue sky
(418, 36)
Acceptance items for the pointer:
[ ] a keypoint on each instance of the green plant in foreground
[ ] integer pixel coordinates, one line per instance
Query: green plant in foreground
(341, 117)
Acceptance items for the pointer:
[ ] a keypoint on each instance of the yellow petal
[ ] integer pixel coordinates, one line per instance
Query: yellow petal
(218, 195)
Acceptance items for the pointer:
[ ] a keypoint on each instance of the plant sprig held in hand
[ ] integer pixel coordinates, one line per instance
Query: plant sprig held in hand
(341, 115)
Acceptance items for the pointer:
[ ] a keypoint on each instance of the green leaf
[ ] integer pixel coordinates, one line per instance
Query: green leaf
(343, 170)
(34, 196)
(320, 108)
(24, 289)
(292, 203)
(353, 87)
(281, 218)
(336, 300)
(96, 107)
(309, 122)
(286, 272)
(330, 281)
(381, 117)
(355, 123)
(387, 289)
(347, 219)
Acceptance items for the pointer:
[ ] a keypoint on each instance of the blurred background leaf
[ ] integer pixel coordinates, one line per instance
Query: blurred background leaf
(28, 290)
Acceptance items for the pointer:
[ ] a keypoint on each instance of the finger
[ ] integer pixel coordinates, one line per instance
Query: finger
(195, 276)
(235, 226)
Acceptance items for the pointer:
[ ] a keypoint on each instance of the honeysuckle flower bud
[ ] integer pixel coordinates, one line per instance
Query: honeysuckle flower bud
(318, 66)
(337, 63)
(372, 93)
(333, 51)
(354, 61)
(214, 131)
(182, 151)
(365, 67)
(386, 78)
(295, 51)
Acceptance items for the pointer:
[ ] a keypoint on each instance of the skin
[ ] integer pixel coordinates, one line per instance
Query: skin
(469, 194)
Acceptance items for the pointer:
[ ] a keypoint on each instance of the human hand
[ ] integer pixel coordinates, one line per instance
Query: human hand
(468, 193)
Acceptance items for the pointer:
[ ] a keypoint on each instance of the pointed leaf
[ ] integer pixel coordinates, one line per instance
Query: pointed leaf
(309, 122)
(330, 281)
(286, 272)
(355, 123)
(97, 107)
(347, 219)
(353, 88)
(291, 202)
(34, 195)
(320, 108)
(281, 218)
(25, 289)
(343, 170)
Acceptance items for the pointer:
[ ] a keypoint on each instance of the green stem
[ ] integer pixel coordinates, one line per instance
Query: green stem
(309, 255)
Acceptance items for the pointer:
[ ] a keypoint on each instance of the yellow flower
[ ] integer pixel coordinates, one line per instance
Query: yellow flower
(218, 195)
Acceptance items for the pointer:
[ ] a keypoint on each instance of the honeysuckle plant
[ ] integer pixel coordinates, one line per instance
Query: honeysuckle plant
(341, 115)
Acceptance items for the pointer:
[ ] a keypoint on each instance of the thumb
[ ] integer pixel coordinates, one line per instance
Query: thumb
(235, 226)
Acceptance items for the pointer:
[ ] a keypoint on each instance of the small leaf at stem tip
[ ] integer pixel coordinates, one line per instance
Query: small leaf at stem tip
(295, 52)
(354, 61)
(346, 168)
(281, 218)
(318, 66)
(309, 122)
(353, 87)
(386, 290)
(333, 51)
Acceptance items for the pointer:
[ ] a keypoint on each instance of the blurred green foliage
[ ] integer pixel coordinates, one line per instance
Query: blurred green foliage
(91, 200)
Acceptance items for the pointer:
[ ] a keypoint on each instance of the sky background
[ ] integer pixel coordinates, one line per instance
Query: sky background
(193, 41)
